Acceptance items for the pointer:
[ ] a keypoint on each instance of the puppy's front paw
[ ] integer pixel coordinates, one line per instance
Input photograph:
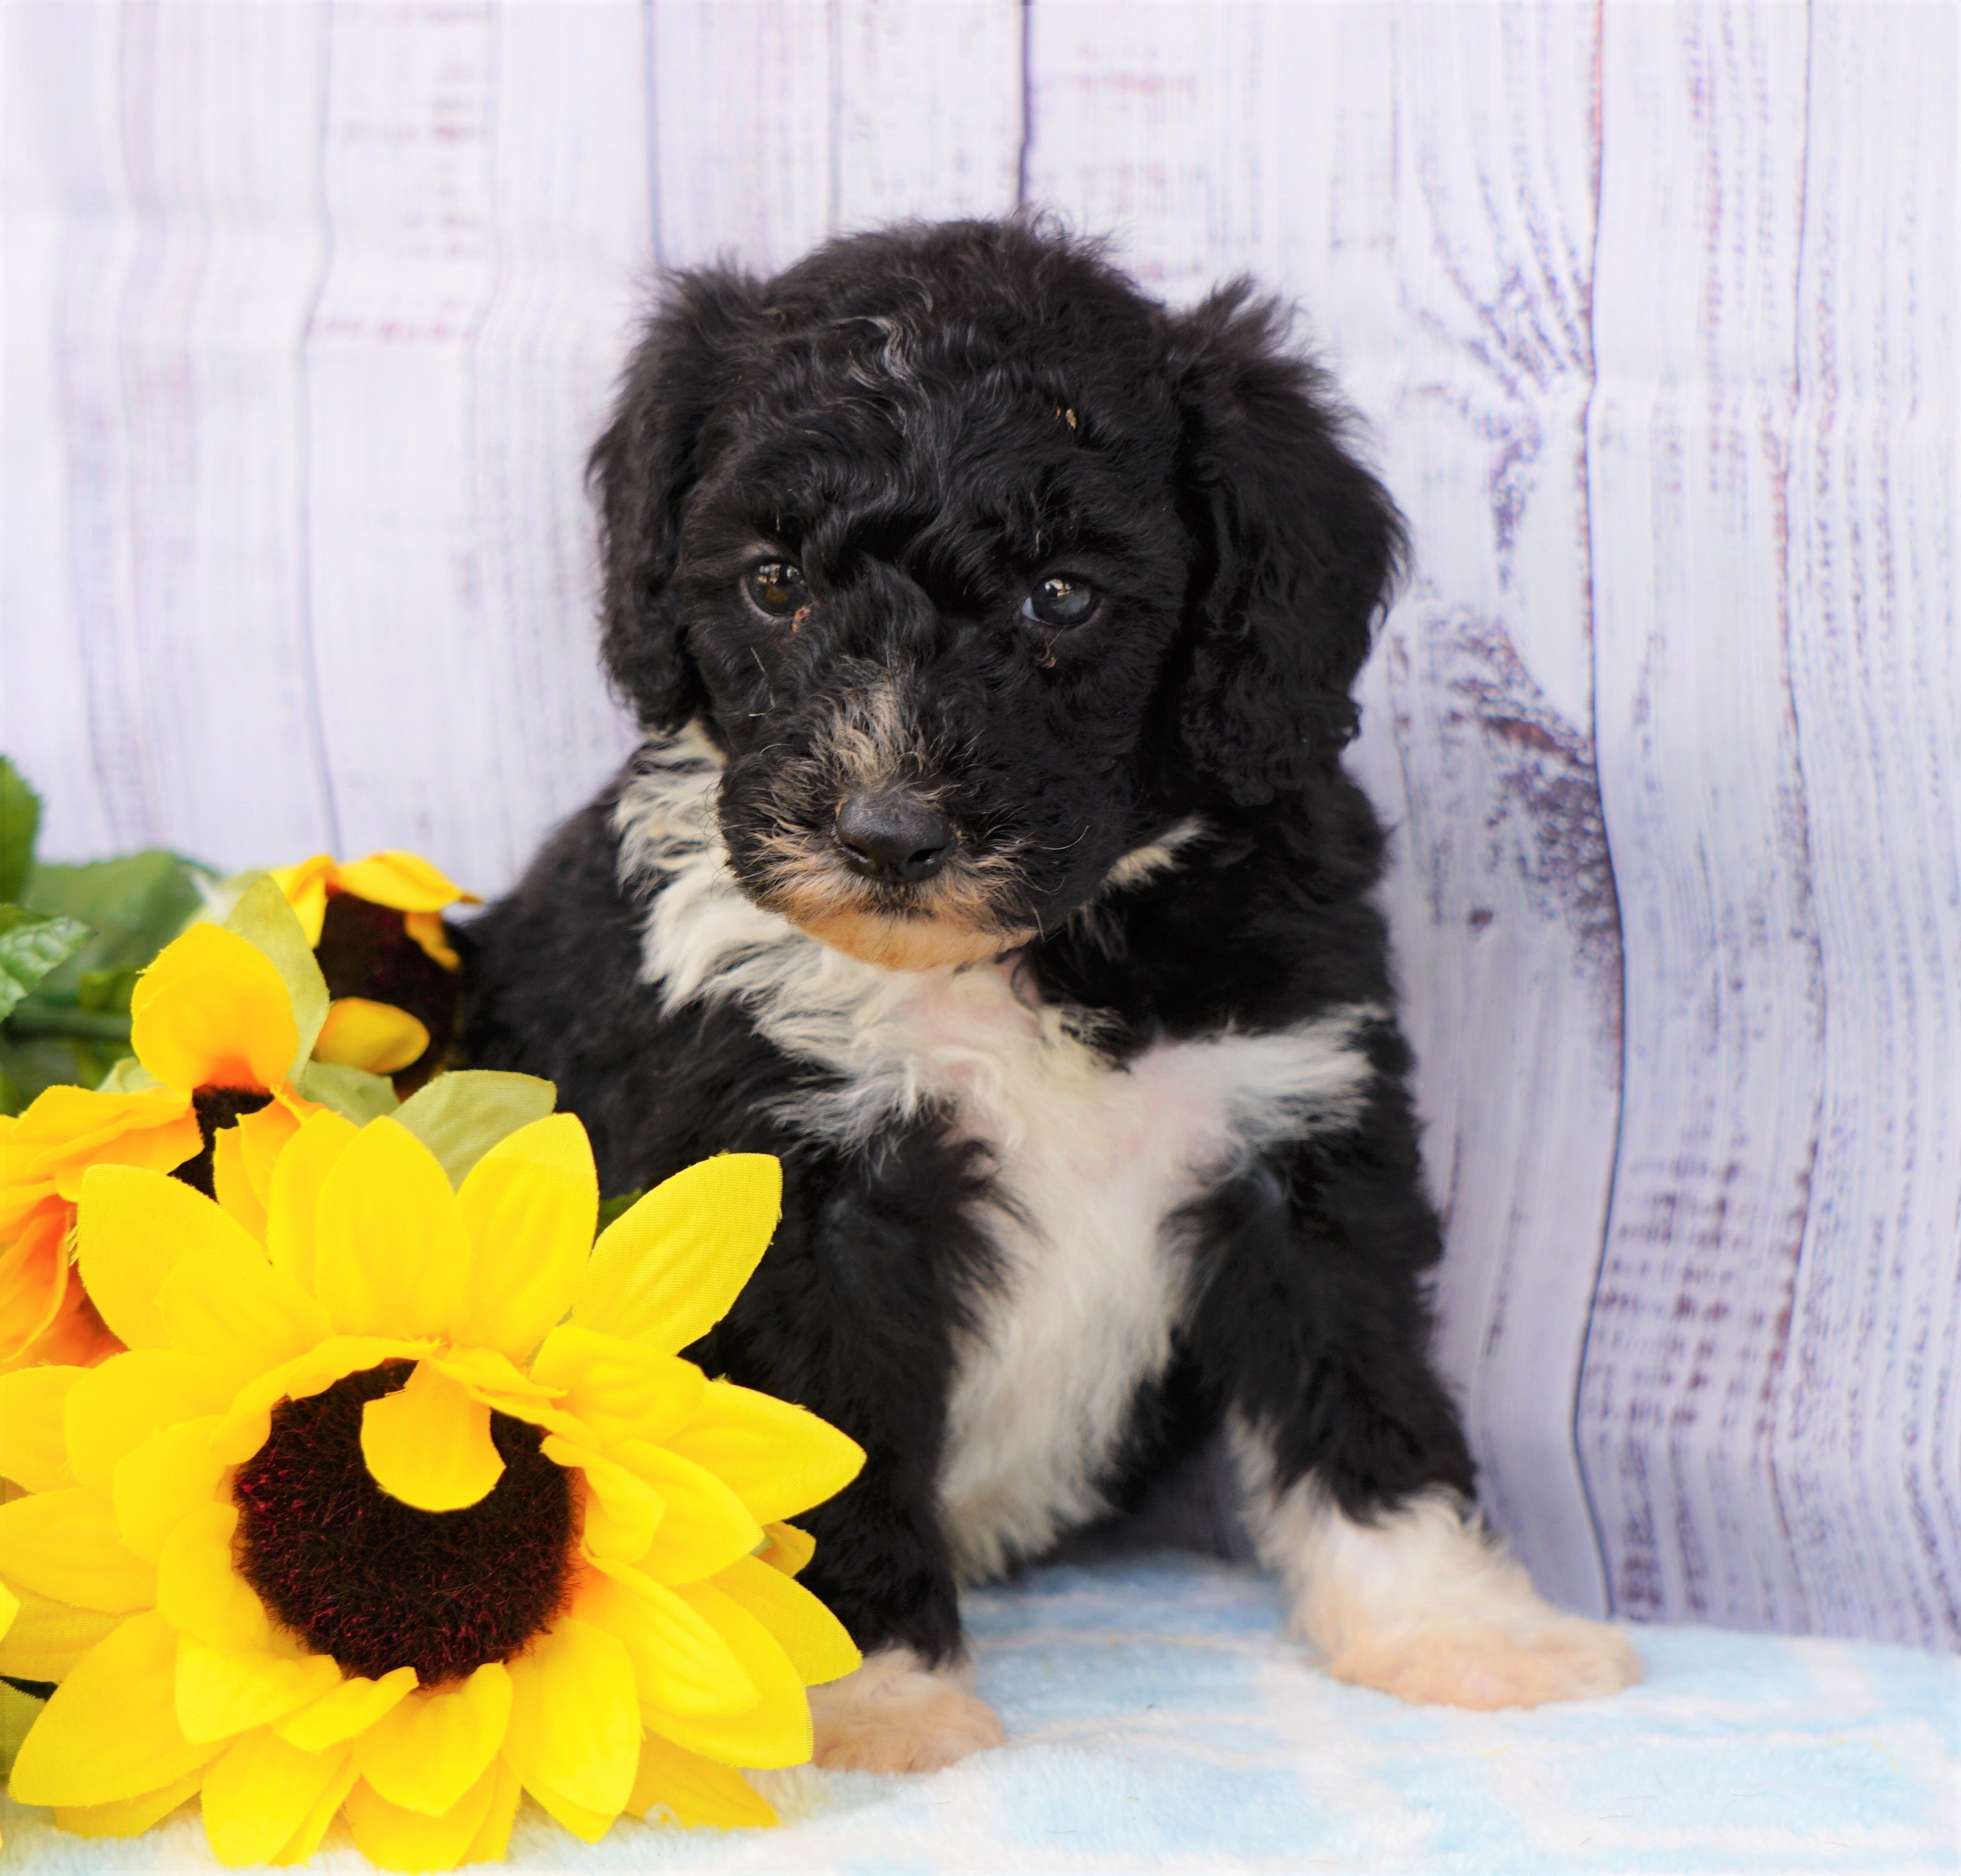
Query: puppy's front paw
(894, 1716)
(1482, 1664)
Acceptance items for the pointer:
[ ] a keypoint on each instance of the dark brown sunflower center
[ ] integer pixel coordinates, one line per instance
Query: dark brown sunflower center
(378, 1584)
(216, 1109)
(365, 950)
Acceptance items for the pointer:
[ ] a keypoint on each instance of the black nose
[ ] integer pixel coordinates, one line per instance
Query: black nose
(893, 835)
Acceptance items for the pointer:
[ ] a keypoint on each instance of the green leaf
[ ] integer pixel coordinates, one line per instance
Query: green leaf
(461, 1115)
(31, 945)
(136, 906)
(20, 821)
(261, 915)
(617, 1207)
(128, 1077)
(107, 993)
(352, 1093)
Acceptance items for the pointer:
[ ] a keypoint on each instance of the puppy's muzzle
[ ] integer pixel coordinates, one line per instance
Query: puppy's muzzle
(892, 836)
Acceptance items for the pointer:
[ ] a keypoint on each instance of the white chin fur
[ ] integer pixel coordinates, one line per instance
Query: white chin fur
(894, 1714)
(1424, 1604)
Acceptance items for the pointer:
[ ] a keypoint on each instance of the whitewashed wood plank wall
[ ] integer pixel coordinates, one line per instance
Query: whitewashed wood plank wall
(311, 311)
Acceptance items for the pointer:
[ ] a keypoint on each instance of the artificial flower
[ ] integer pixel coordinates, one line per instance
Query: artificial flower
(221, 1034)
(376, 926)
(360, 1525)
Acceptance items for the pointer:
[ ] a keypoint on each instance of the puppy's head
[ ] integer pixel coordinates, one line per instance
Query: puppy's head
(983, 570)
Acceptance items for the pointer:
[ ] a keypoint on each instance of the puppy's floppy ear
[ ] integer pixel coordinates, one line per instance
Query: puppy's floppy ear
(1298, 545)
(645, 466)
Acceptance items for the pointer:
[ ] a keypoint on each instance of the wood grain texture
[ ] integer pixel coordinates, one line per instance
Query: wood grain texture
(1702, 222)
(163, 690)
(1866, 1421)
(311, 312)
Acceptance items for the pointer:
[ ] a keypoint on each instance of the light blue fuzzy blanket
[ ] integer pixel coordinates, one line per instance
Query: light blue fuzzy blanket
(1158, 1721)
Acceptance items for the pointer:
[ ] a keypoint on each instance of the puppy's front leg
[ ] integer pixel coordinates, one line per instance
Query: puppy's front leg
(1315, 1328)
(851, 1314)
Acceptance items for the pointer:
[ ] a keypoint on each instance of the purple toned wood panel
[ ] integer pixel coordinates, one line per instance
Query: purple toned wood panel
(484, 177)
(1866, 1436)
(159, 673)
(1700, 228)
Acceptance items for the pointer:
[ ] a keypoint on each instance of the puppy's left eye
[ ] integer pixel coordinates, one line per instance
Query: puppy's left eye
(777, 589)
(1059, 600)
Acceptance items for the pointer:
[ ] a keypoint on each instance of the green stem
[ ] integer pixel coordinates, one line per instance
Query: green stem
(31, 1017)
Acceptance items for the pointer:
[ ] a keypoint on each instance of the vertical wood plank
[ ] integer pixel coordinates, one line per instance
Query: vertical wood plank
(1867, 1438)
(1503, 898)
(473, 219)
(1420, 181)
(929, 116)
(745, 113)
(192, 254)
(1701, 224)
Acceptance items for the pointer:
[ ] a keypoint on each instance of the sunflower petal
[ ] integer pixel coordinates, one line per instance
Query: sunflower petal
(46, 1639)
(244, 1154)
(622, 1510)
(679, 1785)
(199, 1591)
(776, 1731)
(212, 1010)
(424, 1753)
(349, 1708)
(222, 1692)
(225, 1304)
(402, 881)
(110, 1731)
(63, 1544)
(303, 887)
(622, 1390)
(129, 1816)
(261, 1790)
(300, 1845)
(135, 1226)
(66, 1130)
(530, 1204)
(576, 1717)
(250, 1417)
(231, 1186)
(706, 1528)
(361, 1033)
(398, 1839)
(428, 1444)
(680, 1660)
(493, 1841)
(34, 1278)
(789, 1549)
(293, 1195)
(391, 1256)
(778, 1458)
(112, 1410)
(665, 1271)
(586, 1825)
(819, 1646)
(34, 1433)
(171, 1475)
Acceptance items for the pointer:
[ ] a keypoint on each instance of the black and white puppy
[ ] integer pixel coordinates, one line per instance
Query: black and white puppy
(989, 860)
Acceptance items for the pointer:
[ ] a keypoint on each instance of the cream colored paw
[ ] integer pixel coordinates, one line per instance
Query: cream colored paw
(1480, 1664)
(895, 1715)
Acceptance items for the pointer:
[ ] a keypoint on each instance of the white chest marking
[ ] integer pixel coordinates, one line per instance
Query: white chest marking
(1093, 1163)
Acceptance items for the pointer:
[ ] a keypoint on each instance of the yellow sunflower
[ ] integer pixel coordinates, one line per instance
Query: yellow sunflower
(360, 1525)
(403, 882)
(222, 1034)
(376, 925)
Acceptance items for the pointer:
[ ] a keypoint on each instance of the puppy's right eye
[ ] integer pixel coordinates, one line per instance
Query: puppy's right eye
(776, 588)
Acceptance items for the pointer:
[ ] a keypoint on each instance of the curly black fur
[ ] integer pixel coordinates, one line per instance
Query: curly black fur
(929, 420)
